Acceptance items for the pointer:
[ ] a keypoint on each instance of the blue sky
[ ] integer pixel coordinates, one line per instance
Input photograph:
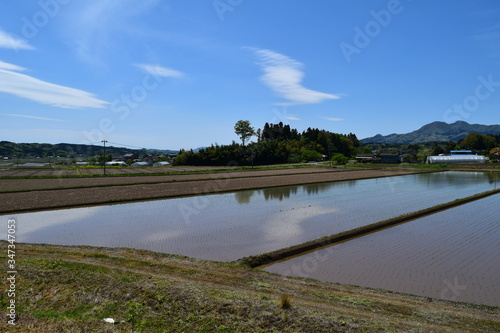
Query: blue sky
(180, 73)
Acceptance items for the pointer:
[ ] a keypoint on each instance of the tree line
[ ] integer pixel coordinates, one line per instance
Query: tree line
(279, 143)
(276, 144)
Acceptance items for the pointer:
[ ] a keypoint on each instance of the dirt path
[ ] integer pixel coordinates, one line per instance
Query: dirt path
(166, 187)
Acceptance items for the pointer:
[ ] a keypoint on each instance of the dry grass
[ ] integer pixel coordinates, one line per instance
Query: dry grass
(285, 302)
(72, 289)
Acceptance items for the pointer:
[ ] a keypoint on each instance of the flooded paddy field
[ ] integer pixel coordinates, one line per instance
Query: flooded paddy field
(453, 255)
(230, 226)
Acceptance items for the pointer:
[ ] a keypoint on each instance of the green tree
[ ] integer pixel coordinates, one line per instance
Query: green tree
(339, 159)
(437, 149)
(478, 141)
(103, 159)
(310, 155)
(495, 153)
(244, 130)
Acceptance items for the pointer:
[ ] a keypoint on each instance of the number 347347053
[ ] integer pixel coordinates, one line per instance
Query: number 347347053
(11, 239)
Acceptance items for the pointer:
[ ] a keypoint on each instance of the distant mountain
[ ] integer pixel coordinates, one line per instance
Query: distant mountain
(435, 131)
(163, 151)
(68, 150)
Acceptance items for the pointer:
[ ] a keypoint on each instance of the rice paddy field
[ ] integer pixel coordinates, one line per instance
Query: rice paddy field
(452, 255)
(230, 226)
(227, 227)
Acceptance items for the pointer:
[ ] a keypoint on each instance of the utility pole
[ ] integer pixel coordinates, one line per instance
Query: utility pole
(104, 162)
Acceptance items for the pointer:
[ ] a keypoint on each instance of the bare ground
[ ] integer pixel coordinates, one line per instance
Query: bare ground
(22, 184)
(61, 172)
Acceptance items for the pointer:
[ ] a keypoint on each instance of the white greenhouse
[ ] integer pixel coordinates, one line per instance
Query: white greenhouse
(139, 164)
(456, 157)
(115, 163)
(160, 164)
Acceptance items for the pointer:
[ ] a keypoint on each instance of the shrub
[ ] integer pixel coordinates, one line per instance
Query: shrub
(310, 155)
(339, 159)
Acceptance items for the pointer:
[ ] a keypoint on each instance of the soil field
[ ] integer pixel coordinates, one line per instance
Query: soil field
(58, 172)
(21, 184)
(113, 190)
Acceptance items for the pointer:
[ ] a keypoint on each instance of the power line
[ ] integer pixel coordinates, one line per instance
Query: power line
(116, 143)
(122, 144)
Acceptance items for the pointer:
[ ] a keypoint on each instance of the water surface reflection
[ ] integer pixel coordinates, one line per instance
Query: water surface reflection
(230, 226)
(451, 255)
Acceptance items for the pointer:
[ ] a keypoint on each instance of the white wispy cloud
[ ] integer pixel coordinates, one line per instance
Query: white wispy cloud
(160, 71)
(290, 223)
(489, 38)
(92, 27)
(11, 67)
(7, 41)
(293, 118)
(31, 88)
(332, 119)
(284, 75)
(31, 117)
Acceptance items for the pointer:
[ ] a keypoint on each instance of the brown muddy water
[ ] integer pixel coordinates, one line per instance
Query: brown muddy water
(230, 226)
(453, 255)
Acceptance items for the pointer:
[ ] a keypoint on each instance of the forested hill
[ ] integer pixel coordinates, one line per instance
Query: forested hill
(10, 149)
(276, 143)
(436, 131)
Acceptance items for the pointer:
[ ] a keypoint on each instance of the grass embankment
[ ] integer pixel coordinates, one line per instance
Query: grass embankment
(72, 289)
(281, 254)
